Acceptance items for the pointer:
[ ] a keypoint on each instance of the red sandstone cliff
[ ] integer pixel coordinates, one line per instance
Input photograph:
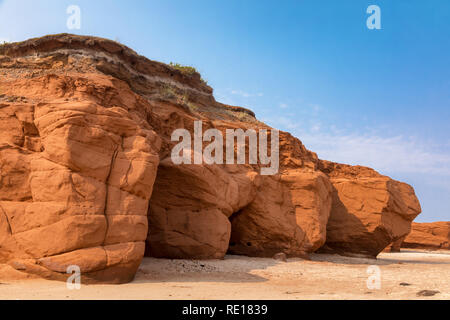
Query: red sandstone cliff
(435, 235)
(86, 176)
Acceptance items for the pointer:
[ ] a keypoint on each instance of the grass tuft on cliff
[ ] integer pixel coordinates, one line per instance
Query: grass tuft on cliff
(187, 70)
(184, 69)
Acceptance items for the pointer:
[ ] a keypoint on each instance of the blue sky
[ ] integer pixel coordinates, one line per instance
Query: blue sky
(379, 98)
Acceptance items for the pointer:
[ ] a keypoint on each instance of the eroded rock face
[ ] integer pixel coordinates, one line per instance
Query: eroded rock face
(311, 195)
(85, 182)
(86, 176)
(77, 171)
(297, 202)
(369, 211)
(190, 209)
(435, 235)
(395, 246)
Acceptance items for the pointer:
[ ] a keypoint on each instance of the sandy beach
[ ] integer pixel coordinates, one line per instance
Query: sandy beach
(403, 275)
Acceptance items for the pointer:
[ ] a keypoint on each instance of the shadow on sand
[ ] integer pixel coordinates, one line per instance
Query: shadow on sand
(238, 269)
(234, 269)
(420, 257)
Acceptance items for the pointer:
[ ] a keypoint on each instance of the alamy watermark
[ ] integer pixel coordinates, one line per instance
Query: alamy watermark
(374, 280)
(183, 152)
(74, 281)
(374, 20)
(74, 20)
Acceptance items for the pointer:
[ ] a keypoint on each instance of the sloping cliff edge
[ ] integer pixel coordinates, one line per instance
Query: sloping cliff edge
(86, 177)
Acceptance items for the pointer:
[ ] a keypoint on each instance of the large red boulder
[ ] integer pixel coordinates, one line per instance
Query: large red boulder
(369, 211)
(435, 235)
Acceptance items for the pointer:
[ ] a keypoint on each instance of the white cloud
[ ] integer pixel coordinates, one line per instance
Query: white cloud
(371, 147)
(246, 94)
(224, 98)
(234, 97)
(385, 154)
(315, 127)
(315, 107)
(283, 123)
